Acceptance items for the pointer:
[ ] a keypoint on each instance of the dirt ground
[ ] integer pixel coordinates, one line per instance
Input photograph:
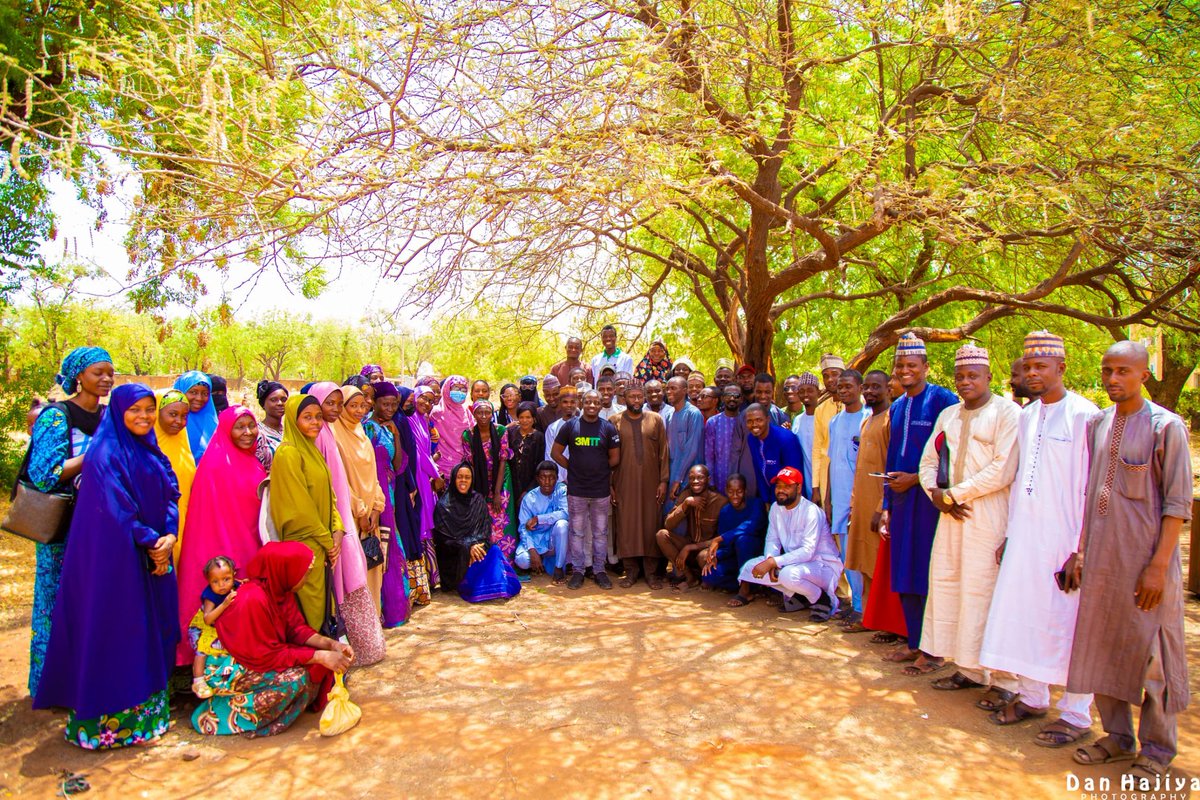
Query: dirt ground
(583, 694)
(595, 694)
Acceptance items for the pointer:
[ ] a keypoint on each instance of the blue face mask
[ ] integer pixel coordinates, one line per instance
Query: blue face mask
(458, 397)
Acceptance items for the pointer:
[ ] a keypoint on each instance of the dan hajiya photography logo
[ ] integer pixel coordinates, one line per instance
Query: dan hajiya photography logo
(1131, 787)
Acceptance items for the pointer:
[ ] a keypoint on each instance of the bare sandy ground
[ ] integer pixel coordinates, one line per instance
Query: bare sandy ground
(589, 694)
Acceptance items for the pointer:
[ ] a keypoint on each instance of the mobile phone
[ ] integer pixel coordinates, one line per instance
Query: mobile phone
(1060, 578)
(883, 475)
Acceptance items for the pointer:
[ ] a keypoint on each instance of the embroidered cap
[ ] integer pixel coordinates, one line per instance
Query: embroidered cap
(550, 382)
(830, 361)
(808, 379)
(1044, 344)
(724, 363)
(972, 355)
(910, 345)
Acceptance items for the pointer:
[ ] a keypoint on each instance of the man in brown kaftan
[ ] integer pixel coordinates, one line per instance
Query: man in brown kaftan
(639, 486)
(1129, 646)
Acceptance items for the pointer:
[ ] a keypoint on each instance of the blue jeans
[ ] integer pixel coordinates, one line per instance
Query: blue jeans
(589, 515)
(555, 540)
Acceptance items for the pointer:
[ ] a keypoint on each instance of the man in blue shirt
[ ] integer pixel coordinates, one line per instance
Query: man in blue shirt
(544, 525)
(771, 447)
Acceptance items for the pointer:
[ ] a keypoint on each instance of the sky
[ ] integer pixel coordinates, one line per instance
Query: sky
(356, 292)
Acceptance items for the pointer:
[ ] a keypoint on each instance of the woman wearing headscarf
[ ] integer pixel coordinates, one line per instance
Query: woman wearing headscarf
(350, 572)
(529, 392)
(489, 456)
(683, 367)
(275, 664)
(423, 572)
(656, 365)
(220, 393)
(527, 446)
(303, 506)
(61, 437)
(367, 498)
(170, 429)
(271, 398)
(398, 520)
(510, 398)
(452, 419)
(222, 516)
(461, 527)
(202, 414)
(117, 570)
(372, 372)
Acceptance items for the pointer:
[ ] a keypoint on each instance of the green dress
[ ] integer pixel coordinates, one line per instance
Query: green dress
(142, 723)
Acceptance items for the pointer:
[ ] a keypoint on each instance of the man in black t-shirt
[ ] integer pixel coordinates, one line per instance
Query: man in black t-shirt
(595, 450)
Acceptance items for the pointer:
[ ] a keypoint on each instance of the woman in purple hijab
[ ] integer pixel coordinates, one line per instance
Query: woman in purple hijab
(114, 629)
(425, 471)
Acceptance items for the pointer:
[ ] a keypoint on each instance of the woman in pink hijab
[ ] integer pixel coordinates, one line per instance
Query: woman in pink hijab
(350, 572)
(452, 419)
(222, 518)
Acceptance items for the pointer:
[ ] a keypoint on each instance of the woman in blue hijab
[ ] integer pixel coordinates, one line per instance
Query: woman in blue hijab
(115, 626)
(202, 413)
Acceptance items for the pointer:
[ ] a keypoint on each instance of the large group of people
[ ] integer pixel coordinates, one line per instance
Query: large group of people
(1031, 542)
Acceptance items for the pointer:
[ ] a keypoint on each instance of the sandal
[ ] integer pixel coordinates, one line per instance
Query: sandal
(1060, 733)
(737, 601)
(902, 654)
(1014, 712)
(917, 670)
(1099, 752)
(655, 582)
(995, 699)
(1146, 769)
(853, 627)
(626, 582)
(955, 682)
(883, 637)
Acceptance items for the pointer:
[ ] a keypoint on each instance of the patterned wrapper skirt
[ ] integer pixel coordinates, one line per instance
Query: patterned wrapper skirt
(363, 630)
(47, 576)
(142, 723)
(251, 703)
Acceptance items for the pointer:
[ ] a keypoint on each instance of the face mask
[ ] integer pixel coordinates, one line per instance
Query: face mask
(458, 397)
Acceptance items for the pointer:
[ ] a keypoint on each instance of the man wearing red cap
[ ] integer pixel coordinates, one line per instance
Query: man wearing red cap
(800, 559)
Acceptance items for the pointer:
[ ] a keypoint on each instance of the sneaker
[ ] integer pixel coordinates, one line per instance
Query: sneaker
(576, 581)
(603, 581)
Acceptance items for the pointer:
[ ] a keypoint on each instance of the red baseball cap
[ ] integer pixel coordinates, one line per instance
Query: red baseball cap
(789, 475)
(747, 368)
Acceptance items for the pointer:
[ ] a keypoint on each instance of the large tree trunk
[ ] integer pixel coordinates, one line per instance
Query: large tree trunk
(1180, 355)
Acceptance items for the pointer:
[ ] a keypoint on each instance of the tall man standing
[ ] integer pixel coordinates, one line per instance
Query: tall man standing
(1016, 382)
(831, 370)
(726, 450)
(685, 434)
(639, 486)
(1129, 642)
(845, 431)
(568, 408)
(808, 392)
(971, 490)
(764, 395)
(611, 356)
(548, 413)
(562, 370)
(909, 515)
(1031, 623)
(867, 551)
(595, 450)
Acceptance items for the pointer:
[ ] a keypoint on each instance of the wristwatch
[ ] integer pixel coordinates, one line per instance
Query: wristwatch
(949, 498)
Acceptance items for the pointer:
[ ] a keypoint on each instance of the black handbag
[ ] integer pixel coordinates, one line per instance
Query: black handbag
(943, 471)
(334, 625)
(373, 550)
(43, 517)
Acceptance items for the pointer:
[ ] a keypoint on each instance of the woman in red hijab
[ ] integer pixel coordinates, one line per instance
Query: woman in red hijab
(275, 665)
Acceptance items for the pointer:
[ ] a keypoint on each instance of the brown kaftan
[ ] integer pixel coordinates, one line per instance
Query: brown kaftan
(644, 464)
(1150, 478)
(862, 548)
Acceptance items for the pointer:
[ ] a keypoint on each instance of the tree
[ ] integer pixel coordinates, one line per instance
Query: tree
(933, 167)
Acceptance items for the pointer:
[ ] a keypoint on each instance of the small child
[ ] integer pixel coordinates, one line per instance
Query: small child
(214, 600)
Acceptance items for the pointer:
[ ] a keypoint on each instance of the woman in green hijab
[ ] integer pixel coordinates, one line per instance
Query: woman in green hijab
(302, 503)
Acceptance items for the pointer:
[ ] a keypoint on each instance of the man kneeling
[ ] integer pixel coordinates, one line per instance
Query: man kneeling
(801, 559)
(699, 507)
(544, 526)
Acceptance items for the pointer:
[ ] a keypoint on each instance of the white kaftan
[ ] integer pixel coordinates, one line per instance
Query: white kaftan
(798, 539)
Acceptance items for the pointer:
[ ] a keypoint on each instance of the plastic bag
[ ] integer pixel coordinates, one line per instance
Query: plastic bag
(340, 715)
